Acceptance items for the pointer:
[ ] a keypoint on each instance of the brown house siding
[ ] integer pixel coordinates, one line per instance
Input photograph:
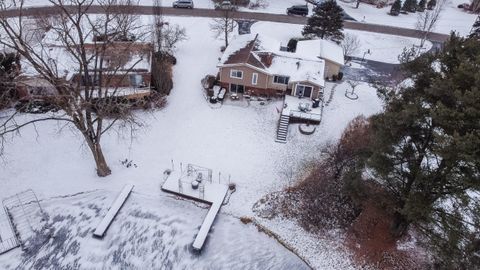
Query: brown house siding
(264, 84)
(117, 80)
(247, 76)
(276, 86)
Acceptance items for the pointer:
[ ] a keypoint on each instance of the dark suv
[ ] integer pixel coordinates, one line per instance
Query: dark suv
(298, 10)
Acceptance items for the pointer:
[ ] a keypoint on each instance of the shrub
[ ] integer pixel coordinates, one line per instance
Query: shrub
(340, 76)
(246, 220)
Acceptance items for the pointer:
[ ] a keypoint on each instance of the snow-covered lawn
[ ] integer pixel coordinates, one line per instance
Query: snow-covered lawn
(235, 140)
(451, 19)
(383, 48)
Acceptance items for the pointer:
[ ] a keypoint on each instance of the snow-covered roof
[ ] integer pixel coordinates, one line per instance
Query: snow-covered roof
(324, 49)
(298, 69)
(264, 53)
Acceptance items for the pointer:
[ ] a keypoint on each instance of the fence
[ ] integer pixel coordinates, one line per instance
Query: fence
(8, 239)
(24, 214)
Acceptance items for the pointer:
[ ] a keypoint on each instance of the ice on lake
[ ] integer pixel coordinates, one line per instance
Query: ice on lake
(148, 233)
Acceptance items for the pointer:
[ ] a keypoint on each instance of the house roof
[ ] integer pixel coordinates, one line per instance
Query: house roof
(124, 56)
(324, 49)
(298, 69)
(264, 53)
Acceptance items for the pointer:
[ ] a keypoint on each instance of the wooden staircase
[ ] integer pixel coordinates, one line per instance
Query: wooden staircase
(282, 130)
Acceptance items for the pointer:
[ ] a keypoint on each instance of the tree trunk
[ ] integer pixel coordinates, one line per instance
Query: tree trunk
(399, 224)
(102, 167)
(226, 35)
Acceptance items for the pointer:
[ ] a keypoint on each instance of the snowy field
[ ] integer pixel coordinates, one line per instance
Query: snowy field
(148, 233)
(451, 18)
(383, 48)
(232, 139)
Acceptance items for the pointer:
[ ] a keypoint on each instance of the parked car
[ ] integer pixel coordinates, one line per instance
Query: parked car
(183, 4)
(226, 5)
(298, 10)
(316, 2)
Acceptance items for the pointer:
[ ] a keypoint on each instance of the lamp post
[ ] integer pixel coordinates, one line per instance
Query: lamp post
(365, 53)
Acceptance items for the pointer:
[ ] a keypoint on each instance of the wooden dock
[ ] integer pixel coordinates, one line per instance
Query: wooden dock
(209, 192)
(112, 212)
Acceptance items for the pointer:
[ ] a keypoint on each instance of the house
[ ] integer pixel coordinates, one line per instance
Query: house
(255, 65)
(126, 65)
(34, 87)
(125, 71)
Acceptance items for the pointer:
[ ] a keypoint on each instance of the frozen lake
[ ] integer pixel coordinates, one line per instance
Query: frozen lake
(148, 233)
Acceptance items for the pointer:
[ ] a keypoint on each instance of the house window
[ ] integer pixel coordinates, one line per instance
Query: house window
(236, 74)
(136, 80)
(254, 78)
(237, 88)
(281, 79)
(304, 91)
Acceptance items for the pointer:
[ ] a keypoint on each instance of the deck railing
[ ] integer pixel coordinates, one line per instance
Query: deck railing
(305, 115)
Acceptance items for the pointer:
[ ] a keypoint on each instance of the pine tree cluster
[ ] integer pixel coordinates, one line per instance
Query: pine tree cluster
(326, 22)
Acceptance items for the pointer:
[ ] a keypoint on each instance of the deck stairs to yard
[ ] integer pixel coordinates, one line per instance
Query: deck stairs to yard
(282, 130)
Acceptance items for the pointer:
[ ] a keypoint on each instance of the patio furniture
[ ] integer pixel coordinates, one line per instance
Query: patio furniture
(221, 94)
(216, 90)
(199, 177)
(195, 184)
(234, 96)
(302, 107)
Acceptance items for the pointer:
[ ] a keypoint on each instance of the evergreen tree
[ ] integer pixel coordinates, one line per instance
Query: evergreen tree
(431, 4)
(326, 22)
(395, 10)
(409, 5)
(475, 33)
(9, 66)
(425, 152)
(421, 5)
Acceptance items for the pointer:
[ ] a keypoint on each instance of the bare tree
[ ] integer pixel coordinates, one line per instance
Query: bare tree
(257, 4)
(9, 66)
(350, 45)
(158, 25)
(475, 5)
(427, 20)
(83, 57)
(353, 84)
(224, 25)
(166, 36)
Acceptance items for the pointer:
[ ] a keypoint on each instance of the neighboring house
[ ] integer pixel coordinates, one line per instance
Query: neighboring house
(126, 65)
(126, 71)
(34, 87)
(254, 65)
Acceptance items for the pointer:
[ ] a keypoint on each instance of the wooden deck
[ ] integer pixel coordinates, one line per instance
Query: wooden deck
(209, 192)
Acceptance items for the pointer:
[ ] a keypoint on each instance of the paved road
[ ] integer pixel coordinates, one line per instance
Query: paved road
(211, 13)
